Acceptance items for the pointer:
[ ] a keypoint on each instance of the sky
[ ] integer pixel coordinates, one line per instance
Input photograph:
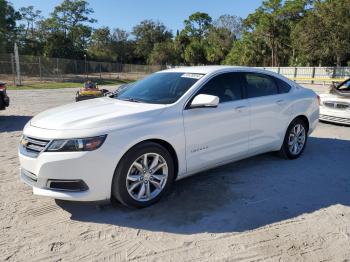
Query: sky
(125, 14)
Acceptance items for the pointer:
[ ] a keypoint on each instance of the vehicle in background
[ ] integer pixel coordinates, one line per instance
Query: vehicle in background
(90, 91)
(335, 106)
(170, 125)
(4, 99)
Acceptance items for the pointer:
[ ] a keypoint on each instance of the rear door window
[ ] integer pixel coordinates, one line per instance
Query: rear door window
(260, 85)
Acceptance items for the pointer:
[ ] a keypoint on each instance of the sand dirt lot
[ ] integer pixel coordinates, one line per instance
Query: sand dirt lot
(262, 208)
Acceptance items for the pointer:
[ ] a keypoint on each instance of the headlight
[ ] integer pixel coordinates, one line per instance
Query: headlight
(78, 144)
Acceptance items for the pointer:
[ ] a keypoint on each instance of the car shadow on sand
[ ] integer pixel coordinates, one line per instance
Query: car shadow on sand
(240, 196)
(11, 123)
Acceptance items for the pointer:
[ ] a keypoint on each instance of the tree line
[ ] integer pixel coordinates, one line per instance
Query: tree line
(278, 33)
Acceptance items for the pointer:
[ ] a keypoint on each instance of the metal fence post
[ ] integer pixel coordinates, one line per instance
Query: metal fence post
(57, 69)
(18, 67)
(295, 72)
(313, 74)
(13, 68)
(76, 66)
(100, 72)
(40, 74)
(334, 72)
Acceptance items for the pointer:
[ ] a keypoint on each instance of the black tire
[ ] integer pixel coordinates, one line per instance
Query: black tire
(6, 101)
(77, 97)
(285, 151)
(2, 103)
(119, 188)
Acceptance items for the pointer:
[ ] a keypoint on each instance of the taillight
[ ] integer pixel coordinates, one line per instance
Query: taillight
(3, 87)
(319, 100)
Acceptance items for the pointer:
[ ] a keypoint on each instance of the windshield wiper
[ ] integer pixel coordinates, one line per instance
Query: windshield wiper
(131, 100)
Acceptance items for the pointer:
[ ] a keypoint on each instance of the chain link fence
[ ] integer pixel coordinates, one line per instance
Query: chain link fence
(37, 68)
(314, 75)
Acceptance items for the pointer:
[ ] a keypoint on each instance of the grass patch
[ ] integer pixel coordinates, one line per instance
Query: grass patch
(58, 85)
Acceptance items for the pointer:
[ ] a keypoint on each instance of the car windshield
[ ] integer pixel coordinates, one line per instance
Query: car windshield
(159, 88)
(344, 86)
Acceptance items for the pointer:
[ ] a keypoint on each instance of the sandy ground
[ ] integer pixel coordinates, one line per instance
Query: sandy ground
(262, 208)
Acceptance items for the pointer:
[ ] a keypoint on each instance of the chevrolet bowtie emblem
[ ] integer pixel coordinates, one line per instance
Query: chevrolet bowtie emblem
(24, 142)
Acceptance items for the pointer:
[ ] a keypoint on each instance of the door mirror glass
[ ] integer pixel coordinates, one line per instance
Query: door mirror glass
(203, 100)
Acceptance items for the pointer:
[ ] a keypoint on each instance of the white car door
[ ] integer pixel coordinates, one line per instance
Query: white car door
(216, 135)
(270, 111)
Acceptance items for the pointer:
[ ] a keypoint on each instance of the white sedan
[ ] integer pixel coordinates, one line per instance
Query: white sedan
(170, 125)
(335, 106)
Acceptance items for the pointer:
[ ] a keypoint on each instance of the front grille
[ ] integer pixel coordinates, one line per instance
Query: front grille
(337, 105)
(32, 146)
(334, 119)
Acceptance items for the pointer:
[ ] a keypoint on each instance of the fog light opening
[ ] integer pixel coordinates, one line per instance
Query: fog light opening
(67, 185)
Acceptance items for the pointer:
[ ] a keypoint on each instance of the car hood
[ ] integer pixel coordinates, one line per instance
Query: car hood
(96, 113)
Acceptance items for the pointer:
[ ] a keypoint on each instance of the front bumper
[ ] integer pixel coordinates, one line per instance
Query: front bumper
(89, 174)
(335, 116)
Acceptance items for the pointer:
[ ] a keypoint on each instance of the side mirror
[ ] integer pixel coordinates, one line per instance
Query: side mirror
(205, 101)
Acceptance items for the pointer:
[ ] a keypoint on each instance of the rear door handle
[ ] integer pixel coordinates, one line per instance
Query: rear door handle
(280, 102)
(240, 108)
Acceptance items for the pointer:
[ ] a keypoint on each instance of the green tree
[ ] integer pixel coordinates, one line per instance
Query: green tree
(192, 42)
(218, 44)
(323, 36)
(195, 53)
(181, 42)
(68, 20)
(272, 22)
(30, 16)
(123, 47)
(28, 33)
(100, 46)
(58, 45)
(163, 53)
(197, 25)
(230, 23)
(248, 51)
(8, 29)
(147, 34)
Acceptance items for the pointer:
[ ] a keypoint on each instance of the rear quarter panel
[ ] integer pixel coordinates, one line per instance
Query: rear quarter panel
(306, 104)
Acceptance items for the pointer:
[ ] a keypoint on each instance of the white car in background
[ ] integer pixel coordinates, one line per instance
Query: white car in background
(335, 106)
(170, 125)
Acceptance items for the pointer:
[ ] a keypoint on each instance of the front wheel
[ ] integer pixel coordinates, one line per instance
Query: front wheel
(143, 175)
(295, 139)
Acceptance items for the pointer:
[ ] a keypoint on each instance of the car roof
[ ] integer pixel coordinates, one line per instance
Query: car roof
(214, 69)
(208, 70)
(199, 69)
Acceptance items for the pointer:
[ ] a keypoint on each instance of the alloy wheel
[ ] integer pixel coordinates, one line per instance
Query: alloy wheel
(296, 139)
(147, 177)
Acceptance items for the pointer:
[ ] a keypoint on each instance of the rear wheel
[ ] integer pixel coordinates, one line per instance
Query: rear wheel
(295, 139)
(143, 176)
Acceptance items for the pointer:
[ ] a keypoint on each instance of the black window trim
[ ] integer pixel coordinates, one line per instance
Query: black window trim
(243, 89)
(269, 76)
(278, 86)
